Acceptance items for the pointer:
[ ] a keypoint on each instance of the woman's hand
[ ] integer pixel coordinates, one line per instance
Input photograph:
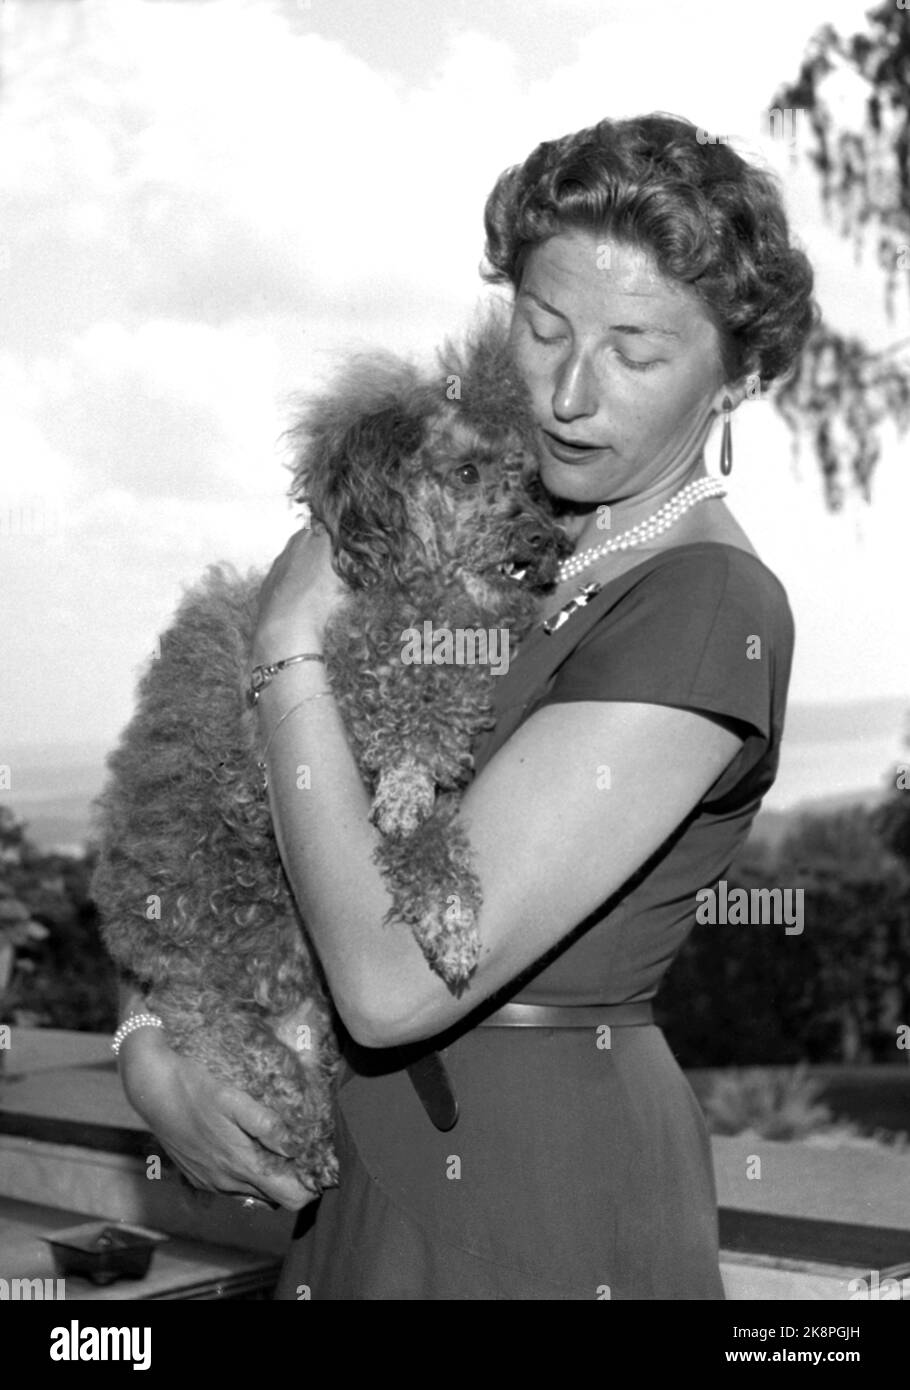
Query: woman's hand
(208, 1128)
(300, 592)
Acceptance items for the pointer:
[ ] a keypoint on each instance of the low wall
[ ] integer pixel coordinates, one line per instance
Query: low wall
(798, 1221)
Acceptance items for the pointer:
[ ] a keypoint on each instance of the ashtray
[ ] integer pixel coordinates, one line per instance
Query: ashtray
(103, 1252)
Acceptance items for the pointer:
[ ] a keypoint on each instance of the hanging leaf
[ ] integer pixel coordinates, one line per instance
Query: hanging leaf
(836, 400)
(842, 392)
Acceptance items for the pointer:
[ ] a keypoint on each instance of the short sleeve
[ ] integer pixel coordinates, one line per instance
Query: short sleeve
(708, 629)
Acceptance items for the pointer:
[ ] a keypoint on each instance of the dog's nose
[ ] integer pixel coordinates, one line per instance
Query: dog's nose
(535, 539)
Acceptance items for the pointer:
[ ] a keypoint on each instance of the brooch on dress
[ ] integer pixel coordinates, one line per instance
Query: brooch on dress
(584, 595)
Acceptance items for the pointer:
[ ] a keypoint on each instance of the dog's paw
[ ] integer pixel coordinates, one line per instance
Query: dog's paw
(326, 1172)
(450, 941)
(404, 797)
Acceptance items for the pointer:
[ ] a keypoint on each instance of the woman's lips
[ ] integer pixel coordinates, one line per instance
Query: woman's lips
(571, 453)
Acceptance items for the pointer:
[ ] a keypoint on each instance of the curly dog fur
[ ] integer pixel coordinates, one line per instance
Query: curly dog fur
(426, 485)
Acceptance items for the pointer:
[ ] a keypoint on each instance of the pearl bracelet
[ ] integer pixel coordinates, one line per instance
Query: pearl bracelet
(130, 1025)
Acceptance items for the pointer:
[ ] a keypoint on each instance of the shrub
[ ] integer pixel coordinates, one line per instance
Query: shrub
(775, 1102)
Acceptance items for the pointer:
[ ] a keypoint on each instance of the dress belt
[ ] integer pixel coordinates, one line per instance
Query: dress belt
(433, 1085)
(570, 1015)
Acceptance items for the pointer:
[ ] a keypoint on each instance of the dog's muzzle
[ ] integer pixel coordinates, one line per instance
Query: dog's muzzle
(537, 552)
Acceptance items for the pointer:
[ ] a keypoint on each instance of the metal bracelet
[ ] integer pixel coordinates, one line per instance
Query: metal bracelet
(261, 763)
(261, 676)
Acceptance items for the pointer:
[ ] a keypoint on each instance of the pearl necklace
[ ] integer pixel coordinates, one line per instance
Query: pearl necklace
(697, 491)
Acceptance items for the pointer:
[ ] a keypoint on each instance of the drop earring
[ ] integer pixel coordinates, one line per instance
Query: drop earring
(726, 440)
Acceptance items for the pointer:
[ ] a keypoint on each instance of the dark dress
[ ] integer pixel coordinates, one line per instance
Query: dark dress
(573, 1172)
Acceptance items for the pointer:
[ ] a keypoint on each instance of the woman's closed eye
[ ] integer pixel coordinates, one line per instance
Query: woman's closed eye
(634, 364)
(637, 366)
(545, 338)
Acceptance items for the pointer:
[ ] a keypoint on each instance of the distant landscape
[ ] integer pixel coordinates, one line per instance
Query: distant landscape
(833, 755)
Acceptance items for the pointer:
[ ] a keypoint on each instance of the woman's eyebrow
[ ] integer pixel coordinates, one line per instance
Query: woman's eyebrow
(638, 328)
(529, 294)
(643, 328)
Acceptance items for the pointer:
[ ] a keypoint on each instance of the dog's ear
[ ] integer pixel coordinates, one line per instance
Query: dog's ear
(493, 397)
(353, 446)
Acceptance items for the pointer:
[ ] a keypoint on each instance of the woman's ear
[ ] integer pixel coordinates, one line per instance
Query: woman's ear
(353, 447)
(728, 398)
(747, 387)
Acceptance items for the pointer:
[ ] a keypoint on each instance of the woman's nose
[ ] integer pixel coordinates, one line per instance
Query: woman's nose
(574, 391)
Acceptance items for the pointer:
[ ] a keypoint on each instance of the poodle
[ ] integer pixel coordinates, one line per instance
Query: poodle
(446, 541)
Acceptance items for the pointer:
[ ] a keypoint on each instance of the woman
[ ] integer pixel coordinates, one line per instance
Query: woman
(653, 283)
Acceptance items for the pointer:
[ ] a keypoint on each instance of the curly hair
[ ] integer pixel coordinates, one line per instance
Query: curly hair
(707, 217)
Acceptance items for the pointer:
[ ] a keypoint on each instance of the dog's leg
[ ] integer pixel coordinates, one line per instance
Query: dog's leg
(404, 797)
(436, 892)
(304, 1030)
(422, 743)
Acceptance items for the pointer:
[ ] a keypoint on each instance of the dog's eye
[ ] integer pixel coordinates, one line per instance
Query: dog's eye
(466, 473)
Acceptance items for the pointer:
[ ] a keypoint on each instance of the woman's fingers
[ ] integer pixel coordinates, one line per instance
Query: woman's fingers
(238, 1172)
(297, 597)
(255, 1127)
(213, 1131)
(275, 1189)
(283, 1189)
(260, 1123)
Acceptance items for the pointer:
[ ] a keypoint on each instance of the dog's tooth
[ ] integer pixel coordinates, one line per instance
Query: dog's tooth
(509, 570)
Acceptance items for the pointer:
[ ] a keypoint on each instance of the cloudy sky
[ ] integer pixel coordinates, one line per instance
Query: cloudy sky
(205, 202)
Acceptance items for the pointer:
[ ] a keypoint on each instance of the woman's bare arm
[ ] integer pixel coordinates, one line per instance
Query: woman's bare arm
(553, 837)
(211, 1130)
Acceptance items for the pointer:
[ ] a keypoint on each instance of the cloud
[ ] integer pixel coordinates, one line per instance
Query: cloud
(206, 204)
(202, 162)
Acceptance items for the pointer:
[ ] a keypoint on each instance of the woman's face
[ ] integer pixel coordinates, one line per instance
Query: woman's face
(619, 360)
